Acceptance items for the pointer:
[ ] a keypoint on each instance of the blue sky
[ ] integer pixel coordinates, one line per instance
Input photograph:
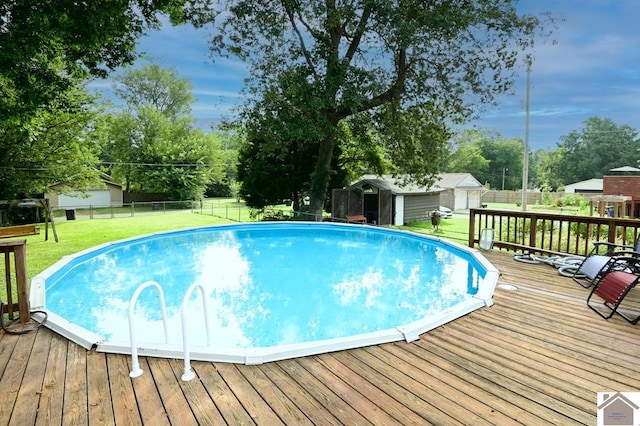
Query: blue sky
(592, 70)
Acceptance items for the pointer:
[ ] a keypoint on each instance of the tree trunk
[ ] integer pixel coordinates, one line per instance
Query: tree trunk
(295, 198)
(320, 178)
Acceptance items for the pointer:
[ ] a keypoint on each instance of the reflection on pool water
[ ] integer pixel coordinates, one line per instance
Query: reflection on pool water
(298, 286)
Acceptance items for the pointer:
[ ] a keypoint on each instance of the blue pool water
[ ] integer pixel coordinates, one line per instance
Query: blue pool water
(267, 284)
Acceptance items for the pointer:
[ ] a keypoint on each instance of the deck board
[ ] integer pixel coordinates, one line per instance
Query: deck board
(125, 407)
(74, 409)
(538, 355)
(28, 395)
(49, 409)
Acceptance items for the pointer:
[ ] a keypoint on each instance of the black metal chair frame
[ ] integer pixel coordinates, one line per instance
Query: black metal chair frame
(629, 265)
(612, 250)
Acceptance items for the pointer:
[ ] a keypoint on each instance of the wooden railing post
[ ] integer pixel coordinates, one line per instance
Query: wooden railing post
(612, 231)
(19, 250)
(533, 230)
(472, 227)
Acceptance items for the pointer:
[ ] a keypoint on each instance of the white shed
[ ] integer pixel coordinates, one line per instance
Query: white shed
(461, 191)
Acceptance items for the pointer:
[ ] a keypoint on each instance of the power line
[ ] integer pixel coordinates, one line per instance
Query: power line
(110, 163)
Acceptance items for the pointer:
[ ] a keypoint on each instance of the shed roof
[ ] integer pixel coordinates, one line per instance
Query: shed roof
(459, 181)
(625, 169)
(393, 184)
(445, 181)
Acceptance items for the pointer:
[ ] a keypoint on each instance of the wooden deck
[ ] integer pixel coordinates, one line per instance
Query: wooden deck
(539, 355)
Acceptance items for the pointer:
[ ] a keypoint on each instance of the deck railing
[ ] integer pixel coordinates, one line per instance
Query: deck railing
(552, 234)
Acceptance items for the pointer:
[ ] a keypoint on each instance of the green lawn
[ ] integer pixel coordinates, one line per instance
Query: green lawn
(78, 235)
(455, 228)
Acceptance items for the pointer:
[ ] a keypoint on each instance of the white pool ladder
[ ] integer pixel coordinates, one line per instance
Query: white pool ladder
(135, 364)
(188, 372)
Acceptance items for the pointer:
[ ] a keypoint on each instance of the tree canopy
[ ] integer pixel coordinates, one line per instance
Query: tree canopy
(585, 153)
(394, 61)
(47, 44)
(48, 48)
(51, 147)
(152, 144)
(494, 160)
(598, 147)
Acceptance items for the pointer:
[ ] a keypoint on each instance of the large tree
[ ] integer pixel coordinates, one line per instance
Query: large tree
(505, 161)
(394, 60)
(466, 155)
(52, 146)
(45, 45)
(152, 143)
(272, 172)
(599, 146)
(543, 169)
(48, 49)
(494, 160)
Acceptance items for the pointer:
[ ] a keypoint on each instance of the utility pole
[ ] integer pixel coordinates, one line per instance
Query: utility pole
(525, 161)
(504, 169)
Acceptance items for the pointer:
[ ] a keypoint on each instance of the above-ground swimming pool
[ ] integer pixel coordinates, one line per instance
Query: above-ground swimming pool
(273, 290)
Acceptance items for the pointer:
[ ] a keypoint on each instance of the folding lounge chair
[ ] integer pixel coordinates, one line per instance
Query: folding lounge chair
(611, 288)
(595, 264)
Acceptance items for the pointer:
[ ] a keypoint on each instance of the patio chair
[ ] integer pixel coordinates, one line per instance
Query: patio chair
(487, 236)
(611, 288)
(595, 264)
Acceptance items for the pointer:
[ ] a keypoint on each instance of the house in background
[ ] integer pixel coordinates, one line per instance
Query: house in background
(384, 200)
(590, 186)
(105, 195)
(461, 191)
(620, 195)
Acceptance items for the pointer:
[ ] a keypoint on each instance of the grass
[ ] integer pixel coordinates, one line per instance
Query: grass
(455, 228)
(78, 235)
(540, 208)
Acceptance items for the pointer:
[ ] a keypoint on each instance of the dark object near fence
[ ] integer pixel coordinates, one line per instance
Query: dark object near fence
(435, 219)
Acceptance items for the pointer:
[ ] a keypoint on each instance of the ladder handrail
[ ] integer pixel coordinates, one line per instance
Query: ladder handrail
(135, 365)
(188, 372)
